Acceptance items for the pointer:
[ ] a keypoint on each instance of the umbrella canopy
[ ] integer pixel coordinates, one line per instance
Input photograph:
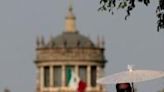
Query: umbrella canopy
(131, 76)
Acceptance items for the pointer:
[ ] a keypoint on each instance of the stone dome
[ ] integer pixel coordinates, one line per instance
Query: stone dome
(71, 40)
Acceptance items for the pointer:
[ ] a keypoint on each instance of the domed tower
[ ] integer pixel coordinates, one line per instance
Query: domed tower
(69, 52)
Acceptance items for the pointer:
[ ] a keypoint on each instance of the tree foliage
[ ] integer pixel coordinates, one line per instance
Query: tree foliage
(129, 5)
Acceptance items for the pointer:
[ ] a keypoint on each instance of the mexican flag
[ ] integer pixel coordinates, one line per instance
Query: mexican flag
(73, 81)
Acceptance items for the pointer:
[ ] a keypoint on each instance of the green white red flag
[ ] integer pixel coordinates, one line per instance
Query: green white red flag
(73, 81)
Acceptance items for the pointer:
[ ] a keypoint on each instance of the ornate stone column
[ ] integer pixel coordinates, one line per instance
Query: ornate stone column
(41, 70)
(63, 76)
(51, 77)
(38, 79)
(77, 69)
(88, 75)
(98, 75)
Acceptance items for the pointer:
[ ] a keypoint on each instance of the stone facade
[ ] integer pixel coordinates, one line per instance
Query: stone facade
(73, 54)
(64, 57)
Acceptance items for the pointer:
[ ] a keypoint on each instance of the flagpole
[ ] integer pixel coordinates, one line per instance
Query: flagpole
(70, 3)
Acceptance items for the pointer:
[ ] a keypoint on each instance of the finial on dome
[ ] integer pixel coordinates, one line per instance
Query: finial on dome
(103, 42)
(70, 5)
(98, 41)
(70, 24)
(40, 41)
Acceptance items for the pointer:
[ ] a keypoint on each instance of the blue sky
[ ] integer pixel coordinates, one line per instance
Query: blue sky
(127, 42)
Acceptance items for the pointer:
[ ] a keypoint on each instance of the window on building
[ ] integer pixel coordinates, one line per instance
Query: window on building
(68, 71)
(57, 76)
(46, 76)
(83, 73)
(93, 76)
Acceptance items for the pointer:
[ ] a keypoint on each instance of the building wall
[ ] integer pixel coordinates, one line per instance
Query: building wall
(62, 57)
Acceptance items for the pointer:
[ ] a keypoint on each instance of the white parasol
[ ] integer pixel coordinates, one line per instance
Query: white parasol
(131, 76)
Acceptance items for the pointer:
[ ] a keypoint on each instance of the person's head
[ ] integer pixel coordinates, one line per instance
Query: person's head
(123, 87)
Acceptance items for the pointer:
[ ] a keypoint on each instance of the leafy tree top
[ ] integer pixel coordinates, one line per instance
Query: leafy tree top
(129, 5)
